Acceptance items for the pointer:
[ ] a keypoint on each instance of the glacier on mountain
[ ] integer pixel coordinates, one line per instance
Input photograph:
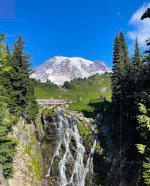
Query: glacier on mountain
(60, 69)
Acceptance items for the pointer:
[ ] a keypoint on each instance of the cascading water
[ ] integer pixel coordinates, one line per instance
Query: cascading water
(72, 165)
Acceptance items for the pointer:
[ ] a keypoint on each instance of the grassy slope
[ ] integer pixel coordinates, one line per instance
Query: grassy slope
(87, 90)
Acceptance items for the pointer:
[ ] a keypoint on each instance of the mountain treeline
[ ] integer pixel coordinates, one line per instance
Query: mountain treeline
(126, 146)
(16, 97)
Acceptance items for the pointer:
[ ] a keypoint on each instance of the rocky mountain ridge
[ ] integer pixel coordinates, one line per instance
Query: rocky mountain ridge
(60, 69)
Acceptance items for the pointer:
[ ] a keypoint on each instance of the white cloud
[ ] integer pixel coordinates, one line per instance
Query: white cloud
(142, 27)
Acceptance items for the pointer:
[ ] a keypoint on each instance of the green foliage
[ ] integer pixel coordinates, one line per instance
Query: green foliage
(79, 89)
(22, 100)
(87, 136)
(125, 97)
(141, 148)
(146, 173)
(4, 64)
(144, 149)
(126, 121)
(136, 59)
(7, 145)
(66, 85)
(118, 70)
(144, 114)
(36, 166)
(48, 112)
(120, 62)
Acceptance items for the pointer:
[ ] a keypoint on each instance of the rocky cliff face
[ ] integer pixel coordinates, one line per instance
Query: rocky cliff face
(28, 160)
(61, 69)
(58, 149)
(69, 143)
(114, 168)
(67, 160)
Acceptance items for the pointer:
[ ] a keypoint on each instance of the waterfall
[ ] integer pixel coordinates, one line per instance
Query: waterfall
(70, 151)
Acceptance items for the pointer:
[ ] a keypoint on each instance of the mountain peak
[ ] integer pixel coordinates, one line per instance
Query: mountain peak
(60, 69)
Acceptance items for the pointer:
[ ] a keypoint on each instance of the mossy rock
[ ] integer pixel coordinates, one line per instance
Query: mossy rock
(55, 167)
(86, 134)
(48, 112)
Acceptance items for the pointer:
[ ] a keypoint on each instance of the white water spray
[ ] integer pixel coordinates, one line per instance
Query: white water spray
(67, 129)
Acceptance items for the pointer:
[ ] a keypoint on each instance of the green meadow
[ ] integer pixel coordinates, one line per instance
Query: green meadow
(81, 92)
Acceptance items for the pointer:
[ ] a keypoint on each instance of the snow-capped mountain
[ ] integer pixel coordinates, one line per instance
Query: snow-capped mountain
(60, 69)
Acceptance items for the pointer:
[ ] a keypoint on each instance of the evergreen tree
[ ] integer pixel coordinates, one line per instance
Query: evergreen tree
(120, 62)
(124, 47)
(133, 95)
(5, 68)
(117, 69)
(124, 101)
(7, 49)
(137, 66)
(117, 89)
(144, 115)
(146, 14)
(136, 59)
(144, 147)
(67, 85)
(127, 65)
(7, 145)
(22, 92)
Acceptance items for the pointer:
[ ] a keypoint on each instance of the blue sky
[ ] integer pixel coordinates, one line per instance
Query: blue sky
(72, 28)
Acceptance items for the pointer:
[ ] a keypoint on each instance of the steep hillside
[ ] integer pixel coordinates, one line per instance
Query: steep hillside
(81, 92)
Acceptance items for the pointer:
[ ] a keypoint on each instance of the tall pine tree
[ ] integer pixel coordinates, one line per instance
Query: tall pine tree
(117, 89)
(23, 101)
(124, 47)
(144, 115)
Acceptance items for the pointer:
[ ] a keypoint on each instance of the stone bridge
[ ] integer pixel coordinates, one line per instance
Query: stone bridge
(51, 101)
